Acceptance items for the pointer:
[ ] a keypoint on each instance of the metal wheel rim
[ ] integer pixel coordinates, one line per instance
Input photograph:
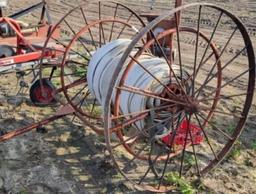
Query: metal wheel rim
(248, 101)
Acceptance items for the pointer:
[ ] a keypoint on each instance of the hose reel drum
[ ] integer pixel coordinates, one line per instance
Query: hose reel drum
(100, 71)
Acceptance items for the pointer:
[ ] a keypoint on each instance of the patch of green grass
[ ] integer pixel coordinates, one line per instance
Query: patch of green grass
(253, 145)
(118, 176)
(230, 128)
(182, 185)
(56, 83)
(24, 192)
(189, 159)
(96, 110)
(236, 151)
(80, 71)
(101, 138)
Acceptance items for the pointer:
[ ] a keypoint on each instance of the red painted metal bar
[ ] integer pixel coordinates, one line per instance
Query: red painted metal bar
(20, 58)
(62, 112)
(23, 130)
(20, 38)
(23, 58)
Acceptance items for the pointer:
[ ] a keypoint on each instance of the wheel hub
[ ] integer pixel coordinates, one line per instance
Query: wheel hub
(188, 105)
(42, 94)
(184, 102)
(192, 106)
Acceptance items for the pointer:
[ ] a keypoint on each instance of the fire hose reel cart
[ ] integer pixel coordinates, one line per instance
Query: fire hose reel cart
(160, 113)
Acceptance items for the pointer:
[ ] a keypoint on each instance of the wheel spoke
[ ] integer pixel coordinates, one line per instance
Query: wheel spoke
(206, 137)
(193, 147)
(145, 146)
(128, 20)
(65, 46)
(150, 162)
(137, 154)
(71, 85)
(146, 93)
(128, 122)
(99, 4)
(90, 32)
(149, 168)
(140, 132)
(178, 41)
(214, 127)
(113, 23)
(184, 148)
(92, 109)
(84, 99)
(208, 45)
(223, 113)
(80, 104)
(79, 39)
(218, 60)
(78, 93)
(224, 97)
(171, 146)
(230, 81)
(207, 59)
(192, 75)
(76, 62)
(122, 142)
(169, 64)
(102, 31)
(196, 50)
(228, 63)
(147, 71)
(144, 111)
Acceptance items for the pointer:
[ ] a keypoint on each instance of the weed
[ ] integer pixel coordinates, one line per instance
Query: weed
(95, 111)
(118, 176)
(182, 185)
(56, 83)
(101, 138)
(230, 128)
(236, 151)
(80, 71)
(24, 192)
(189, 160)
(253, 145)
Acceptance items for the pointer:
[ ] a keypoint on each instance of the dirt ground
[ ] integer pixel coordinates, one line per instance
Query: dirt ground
(70, 158)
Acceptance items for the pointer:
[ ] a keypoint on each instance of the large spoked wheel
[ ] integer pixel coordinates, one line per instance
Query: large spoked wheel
(131, 141)
(185, 114)
(78, 94)
(83, 30)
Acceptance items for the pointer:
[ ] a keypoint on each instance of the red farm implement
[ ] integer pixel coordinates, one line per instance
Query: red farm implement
(160, 92)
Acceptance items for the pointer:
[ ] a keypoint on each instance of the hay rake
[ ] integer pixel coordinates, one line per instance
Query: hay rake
(158, 100)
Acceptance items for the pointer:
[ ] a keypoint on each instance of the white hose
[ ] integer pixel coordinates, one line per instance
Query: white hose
(100, 72)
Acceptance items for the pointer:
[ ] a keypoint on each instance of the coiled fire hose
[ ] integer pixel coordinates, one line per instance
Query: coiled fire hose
(100, 72)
